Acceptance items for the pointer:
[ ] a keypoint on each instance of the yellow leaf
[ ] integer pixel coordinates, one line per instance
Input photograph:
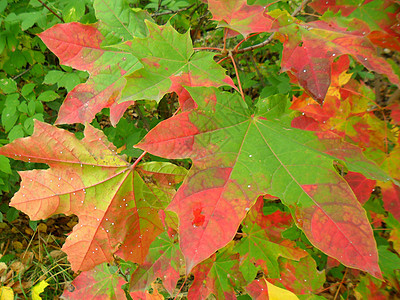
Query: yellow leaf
(37, 289)
(276, 293)
(6, 293)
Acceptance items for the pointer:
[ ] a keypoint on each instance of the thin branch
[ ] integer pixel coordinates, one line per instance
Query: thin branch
(201, 21)
(269, 39)
(22, 73)
(207, 48)
(171, 11)
(257, 69)
(298, 9)
(52, 11)
(394, 97)
(250, 48)
(340, 285)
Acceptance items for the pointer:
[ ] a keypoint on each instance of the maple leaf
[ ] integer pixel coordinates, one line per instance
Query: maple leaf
(87, 178)
(391, 190)
(361, 186)
(347, 111)
(240, 17)
(98, 283)
(379, 15)
(119, 22)
(300, 277)
(346, 7)
(395, 112)
(394, 232)
(163, 261)
(263, 289)
(371, 289)
(391, 198)
(262, 242)
(84, 47)
(258, 289)
(165, 54)
(310, 49)
(238, 156)
(217, 275)
(145, 295)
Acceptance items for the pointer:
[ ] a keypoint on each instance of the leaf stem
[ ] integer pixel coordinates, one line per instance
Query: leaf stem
(223, 59)
(183, 283)
(132, 167)
(225, 37)
(245, 39)
(52, 11)
(138, 160)
(237, 74)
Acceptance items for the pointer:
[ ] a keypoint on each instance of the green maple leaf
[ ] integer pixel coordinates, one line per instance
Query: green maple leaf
(165, 54)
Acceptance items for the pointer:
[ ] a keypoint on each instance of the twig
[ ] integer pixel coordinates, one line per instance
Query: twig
(22, 73)
(141, 116)
(257, 70)
(159, 5)
(340, 285)
(207, 48)
(52, 11)
(171, 11)
(269, 39)
(201, 21)
(250, 48)
(394, 97)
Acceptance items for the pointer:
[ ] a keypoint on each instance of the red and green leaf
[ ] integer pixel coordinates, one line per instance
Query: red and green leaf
(240, 17)
(80, 171)
(300, 277)
(258, 289)
(361, 186)
(99, 283)
(217, 275)
(81, 47)
(165, 54)
(238, 156)
(310, 49)
(164, 261)
(262, 243)
(370, 289)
